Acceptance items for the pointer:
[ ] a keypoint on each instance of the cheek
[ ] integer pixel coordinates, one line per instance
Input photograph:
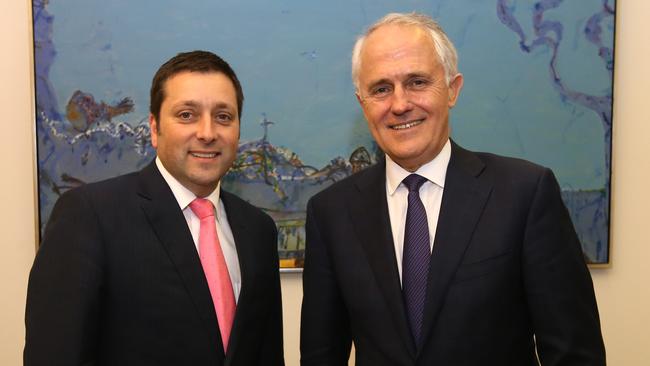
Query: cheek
(375, 117)
(372, 127)
(231, 138)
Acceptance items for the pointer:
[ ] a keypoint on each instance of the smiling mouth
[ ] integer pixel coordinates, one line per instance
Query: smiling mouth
(407, 125)
(204, 155)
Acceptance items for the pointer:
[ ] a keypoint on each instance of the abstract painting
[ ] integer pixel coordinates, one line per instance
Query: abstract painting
(538, 85)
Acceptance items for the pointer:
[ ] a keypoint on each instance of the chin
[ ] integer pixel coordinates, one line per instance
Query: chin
(409, 155)
(206, 181)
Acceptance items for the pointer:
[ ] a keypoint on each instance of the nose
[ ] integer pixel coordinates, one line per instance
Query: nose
(205, 129)
(400, 102)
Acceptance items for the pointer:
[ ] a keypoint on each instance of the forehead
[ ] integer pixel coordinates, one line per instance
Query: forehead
(394, 48)
(190, 85)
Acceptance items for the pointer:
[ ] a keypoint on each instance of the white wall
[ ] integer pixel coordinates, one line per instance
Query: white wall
(17, 225)
(622, 290)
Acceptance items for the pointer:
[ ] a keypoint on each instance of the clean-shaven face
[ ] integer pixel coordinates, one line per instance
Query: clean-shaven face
(197, 135)
(404, 94)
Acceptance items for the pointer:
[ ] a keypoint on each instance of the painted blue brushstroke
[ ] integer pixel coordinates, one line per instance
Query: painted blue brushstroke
(589, 209)
(527, 93)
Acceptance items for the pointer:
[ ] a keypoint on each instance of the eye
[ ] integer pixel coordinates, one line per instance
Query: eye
(223, 117)
(417, 83)
(185, 116)
(381, 91)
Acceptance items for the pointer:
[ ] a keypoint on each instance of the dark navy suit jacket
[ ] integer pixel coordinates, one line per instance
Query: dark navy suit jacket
(118, 281)
(507, 274)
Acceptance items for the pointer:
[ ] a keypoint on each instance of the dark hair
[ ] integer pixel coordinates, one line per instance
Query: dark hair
(195, 61)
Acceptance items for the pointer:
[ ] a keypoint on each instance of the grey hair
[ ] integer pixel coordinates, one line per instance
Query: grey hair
(445, 50)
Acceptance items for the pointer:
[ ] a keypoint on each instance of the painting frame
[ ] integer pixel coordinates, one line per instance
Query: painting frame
(330, 171)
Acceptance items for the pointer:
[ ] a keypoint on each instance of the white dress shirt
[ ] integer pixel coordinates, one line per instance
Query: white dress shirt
(430, 194)
(184, 197)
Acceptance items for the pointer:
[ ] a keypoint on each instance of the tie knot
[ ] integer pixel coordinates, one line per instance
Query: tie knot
(202, 207)
(413, 182)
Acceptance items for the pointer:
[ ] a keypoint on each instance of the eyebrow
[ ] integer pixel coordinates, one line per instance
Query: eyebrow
(378, 82)
(409, 76)
(187, 103)
(197, 105)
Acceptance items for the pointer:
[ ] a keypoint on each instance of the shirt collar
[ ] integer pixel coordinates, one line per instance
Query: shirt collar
(183, 195)
(435, 170)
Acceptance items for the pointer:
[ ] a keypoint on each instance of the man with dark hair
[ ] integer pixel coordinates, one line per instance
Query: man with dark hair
(196, 61)
(161, 266)
(439, 255)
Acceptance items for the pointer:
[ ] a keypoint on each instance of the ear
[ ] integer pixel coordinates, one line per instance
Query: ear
(363, 106)
(153, 128)
(356, 94)
(455, 85)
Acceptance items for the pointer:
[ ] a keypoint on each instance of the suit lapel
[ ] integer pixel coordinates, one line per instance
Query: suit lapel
(167, 220)
(244, 242)
(369, 212)
(463, 202)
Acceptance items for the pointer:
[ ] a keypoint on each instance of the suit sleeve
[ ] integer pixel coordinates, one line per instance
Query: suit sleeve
(63, 296)
(324, 329)
(558, 285)
(273, 347)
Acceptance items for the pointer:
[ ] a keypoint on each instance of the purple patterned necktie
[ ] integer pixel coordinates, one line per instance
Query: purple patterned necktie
(416, 256)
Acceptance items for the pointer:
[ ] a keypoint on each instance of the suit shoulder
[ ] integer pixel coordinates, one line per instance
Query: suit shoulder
(95, 202)
(507, 162)
(244, 208)
(107, 189)
(517, 179)
(512, 168)
(344, 186)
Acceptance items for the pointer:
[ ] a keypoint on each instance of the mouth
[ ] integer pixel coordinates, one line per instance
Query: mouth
(204, 155)
(407, 125)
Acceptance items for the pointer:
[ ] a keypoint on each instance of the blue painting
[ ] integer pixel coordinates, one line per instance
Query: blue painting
(538, 85)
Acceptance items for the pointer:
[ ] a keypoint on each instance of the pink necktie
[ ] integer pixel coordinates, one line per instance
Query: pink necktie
(214, 267)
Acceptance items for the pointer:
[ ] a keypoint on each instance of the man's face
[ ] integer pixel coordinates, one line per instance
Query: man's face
(197, 136)
(404, 94)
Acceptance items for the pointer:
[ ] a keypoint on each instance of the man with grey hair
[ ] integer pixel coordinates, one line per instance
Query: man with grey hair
(438, 255)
